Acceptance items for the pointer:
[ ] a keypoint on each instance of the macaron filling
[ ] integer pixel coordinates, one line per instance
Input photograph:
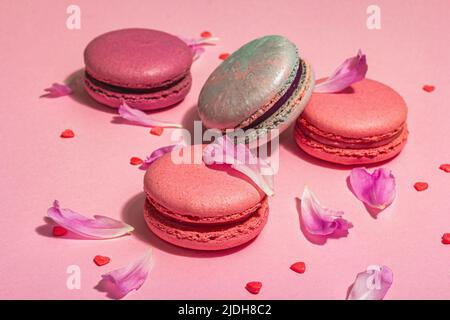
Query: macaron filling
(333, 140)
(280, 102)
(127, 90)
(211, 220)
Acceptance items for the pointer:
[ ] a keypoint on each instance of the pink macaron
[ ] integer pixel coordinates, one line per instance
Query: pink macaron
(366, 123)
(202, 207)
(148, 69)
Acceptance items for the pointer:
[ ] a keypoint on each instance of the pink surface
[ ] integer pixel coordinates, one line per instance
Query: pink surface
(90, 173)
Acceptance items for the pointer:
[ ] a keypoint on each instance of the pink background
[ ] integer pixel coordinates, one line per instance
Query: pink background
(91, 173)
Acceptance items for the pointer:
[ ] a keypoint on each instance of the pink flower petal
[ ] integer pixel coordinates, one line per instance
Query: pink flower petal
(350, 71)
(140, 117)
(319, 220)
(57, 90)
(376, 189)
(224, 151)
(197, 45)
(372, 284)
(132, 276)
(158, 153)
(100, 227)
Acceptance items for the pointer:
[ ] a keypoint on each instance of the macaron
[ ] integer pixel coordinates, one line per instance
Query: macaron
(365, 123)
(202, 207)
(264, 85)
(148, 69)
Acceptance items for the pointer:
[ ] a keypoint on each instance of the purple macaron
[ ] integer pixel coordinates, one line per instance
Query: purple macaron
(148, 69)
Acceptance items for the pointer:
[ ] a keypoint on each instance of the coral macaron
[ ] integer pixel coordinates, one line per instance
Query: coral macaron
(264, 85)
(148, 69)
(202, 207)
(365, 123)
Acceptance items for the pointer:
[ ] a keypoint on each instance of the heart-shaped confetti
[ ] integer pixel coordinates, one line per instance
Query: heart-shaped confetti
(223, 56)
(67, 134)
(101, 260)
(206, 34)
(59, 231)
(298, 267)
(446, 238)
(157, 131)
(253, 287)
(134, 161)
(421, 186)
(445, 167)
(428, 88)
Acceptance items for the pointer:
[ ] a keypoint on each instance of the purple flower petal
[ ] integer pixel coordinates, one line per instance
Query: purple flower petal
(224, 151)
(132, 276)
(376, 189)
(372, 284)
(100, 227)
(57, 90)
(197, 45)
(319, 220)
(350, 71)
(158, 153)
(139, 117)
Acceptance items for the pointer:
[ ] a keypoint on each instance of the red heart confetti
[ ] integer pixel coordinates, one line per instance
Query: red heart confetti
(428, 88)
(298, 267)
(67, 134)
(59, 231)
(253, 287)
(157, 131)
(223, 56)
(445, 167)
(206, 34)
(101, 260)
(421, 186)
(135, 161)
(446, 238)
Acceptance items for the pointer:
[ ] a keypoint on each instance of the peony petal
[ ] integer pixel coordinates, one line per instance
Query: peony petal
(57, 90)
(140, 117)
(350, 71)
(197, 45)
(372, 284)
(158, 153)
(224, 151)
(318, 220)
(100, 227)
(376, 189)
(132, 276)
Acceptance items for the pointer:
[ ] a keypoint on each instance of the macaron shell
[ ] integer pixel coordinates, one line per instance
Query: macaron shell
(207, 238)
(367, 108)
(348, 156)
(199, 190)
(289, 112)
(137, 58)
(142, 101)
(251, 78)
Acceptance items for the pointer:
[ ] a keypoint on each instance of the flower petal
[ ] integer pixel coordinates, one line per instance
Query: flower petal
(319, 220)
(372, 284)
(350, 71)
(376, 189)
(197, 45)
(140, 117)
(57, 90)
(158, 153)
(224, 151)
(100, 227)
(132, 276)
